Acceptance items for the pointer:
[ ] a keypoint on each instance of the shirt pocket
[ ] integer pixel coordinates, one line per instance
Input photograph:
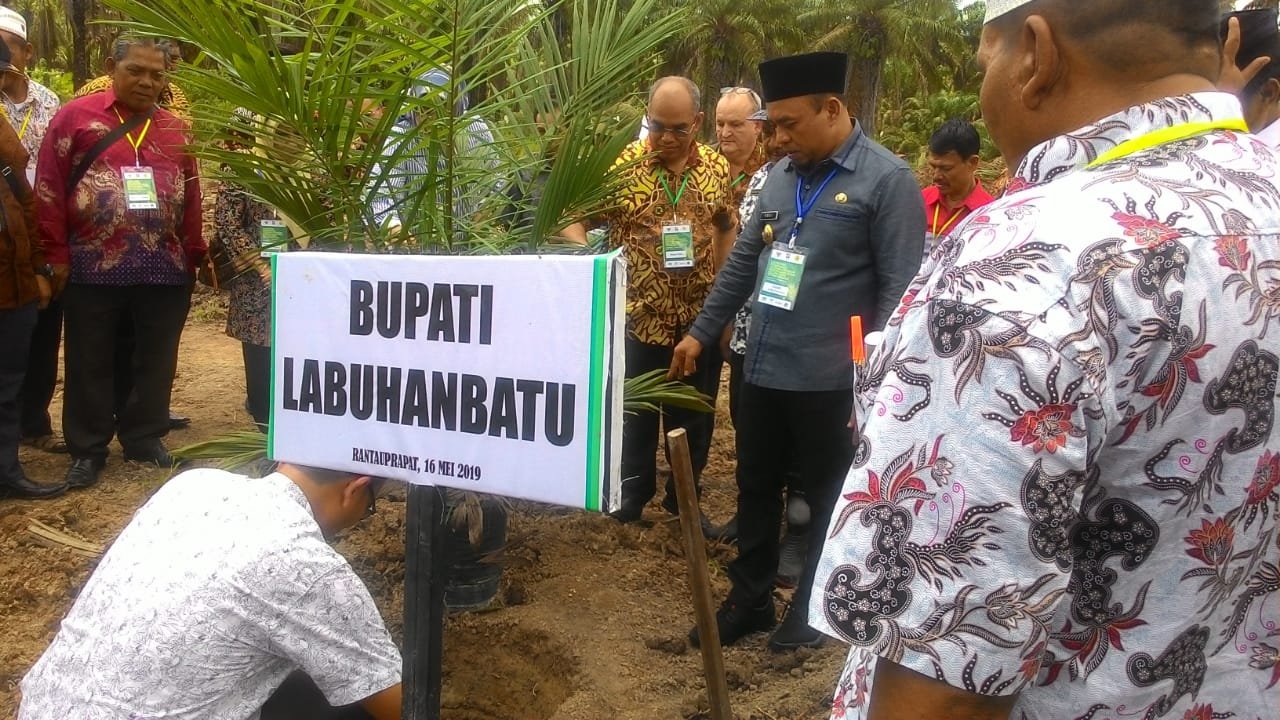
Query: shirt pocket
(839, 214)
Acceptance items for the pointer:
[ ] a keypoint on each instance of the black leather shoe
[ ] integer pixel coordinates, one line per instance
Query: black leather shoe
(735, 621)
(726, 533)
(23, 487)
(794, 632)
(151, 451)
(84, 472)
(178, 422)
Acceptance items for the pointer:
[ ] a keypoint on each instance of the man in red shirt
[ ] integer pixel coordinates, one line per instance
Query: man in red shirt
(118, 201)
(955, 192)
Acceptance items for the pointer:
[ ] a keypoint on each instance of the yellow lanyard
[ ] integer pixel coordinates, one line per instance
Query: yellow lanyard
(1164, 136)
(141, 136)
(26, 120)
(934, 225)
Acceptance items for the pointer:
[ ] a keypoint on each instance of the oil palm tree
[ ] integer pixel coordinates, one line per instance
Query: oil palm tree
(872, 31)
(723, 40)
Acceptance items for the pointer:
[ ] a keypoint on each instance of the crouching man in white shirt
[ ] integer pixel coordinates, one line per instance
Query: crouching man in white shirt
(218, 589)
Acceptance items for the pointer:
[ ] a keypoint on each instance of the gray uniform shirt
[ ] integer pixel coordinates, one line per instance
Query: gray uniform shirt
(864, 238)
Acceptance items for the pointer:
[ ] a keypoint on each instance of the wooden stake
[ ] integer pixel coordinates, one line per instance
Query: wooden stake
(424, 580)
(695, 554)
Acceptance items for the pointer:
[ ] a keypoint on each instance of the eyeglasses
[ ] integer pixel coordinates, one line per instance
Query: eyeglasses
(658, 129)
(743, 91)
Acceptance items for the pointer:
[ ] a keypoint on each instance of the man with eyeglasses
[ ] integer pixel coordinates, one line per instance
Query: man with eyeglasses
(219, 588)
(837, 231)
(673, 219)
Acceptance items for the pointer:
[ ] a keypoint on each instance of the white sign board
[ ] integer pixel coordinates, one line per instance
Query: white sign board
(500, 375)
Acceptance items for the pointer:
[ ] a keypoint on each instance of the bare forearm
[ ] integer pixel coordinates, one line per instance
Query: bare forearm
(385, 705)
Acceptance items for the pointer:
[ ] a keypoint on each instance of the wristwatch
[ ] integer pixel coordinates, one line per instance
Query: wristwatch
(46, 270)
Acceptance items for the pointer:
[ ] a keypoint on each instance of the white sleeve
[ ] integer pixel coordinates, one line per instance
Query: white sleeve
(335, 634)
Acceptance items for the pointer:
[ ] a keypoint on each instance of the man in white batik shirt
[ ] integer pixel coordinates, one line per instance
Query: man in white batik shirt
(1065, 498)
(218, 589)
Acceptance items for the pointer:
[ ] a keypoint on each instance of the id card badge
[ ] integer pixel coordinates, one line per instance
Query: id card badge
(273, 237)
(677, 246)
(140, 188)
(782, 276)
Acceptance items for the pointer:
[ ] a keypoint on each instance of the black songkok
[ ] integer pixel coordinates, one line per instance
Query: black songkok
(800, 75)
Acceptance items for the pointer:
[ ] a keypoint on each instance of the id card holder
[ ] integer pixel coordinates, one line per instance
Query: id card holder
(140, 188)
(677, 246)
(782, 276)
(273, 237)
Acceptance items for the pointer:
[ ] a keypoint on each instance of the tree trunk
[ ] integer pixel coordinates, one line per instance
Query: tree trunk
(79, 11)
(865, 79)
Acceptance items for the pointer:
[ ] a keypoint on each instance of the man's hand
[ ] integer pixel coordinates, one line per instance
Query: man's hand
(902, 694)
(684, 360)
(1231, 78)
(46, 290)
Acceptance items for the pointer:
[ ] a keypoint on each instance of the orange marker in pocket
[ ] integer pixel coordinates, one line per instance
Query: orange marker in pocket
(859, 349)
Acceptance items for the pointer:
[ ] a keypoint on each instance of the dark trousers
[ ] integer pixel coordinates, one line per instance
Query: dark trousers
(640, 430)
(257, 382)
(16, 325)
(773, 427)
(737, 369)
(42, 372)
(298, 698)
(123, 377)
(94, 314)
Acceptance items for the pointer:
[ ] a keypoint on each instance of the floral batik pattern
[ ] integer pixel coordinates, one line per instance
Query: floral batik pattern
(1066, 485)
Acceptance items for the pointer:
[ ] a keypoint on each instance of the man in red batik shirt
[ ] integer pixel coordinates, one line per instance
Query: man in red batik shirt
(118, 200)
(956, 192)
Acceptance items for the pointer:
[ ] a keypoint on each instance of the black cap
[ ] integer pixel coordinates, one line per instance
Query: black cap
(1259, 37)
(800, 75)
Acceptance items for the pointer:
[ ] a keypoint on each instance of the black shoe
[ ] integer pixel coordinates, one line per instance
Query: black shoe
(149, 451)
(791, 558)
(84, 472)
(726, 533)
(178, 422)
(23, 487)
(794, 632)
(735, 621)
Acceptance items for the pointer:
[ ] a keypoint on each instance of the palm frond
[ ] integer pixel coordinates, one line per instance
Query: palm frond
(232, 450)
(652, 390)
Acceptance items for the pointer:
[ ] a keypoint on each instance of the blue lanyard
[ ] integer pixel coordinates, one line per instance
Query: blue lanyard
(804, 206)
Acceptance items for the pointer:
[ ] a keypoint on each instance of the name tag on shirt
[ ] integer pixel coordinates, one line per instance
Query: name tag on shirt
(769, 215)
(677, 246)
(140, 188)
(782, 275)
(273, 237)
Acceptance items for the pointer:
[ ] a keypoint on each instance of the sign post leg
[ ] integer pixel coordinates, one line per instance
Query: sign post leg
(695, 553)
(424, 580)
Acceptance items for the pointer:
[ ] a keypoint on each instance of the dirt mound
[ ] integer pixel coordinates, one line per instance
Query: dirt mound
(501, 670)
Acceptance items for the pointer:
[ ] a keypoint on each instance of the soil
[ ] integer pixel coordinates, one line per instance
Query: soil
(591, 615)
